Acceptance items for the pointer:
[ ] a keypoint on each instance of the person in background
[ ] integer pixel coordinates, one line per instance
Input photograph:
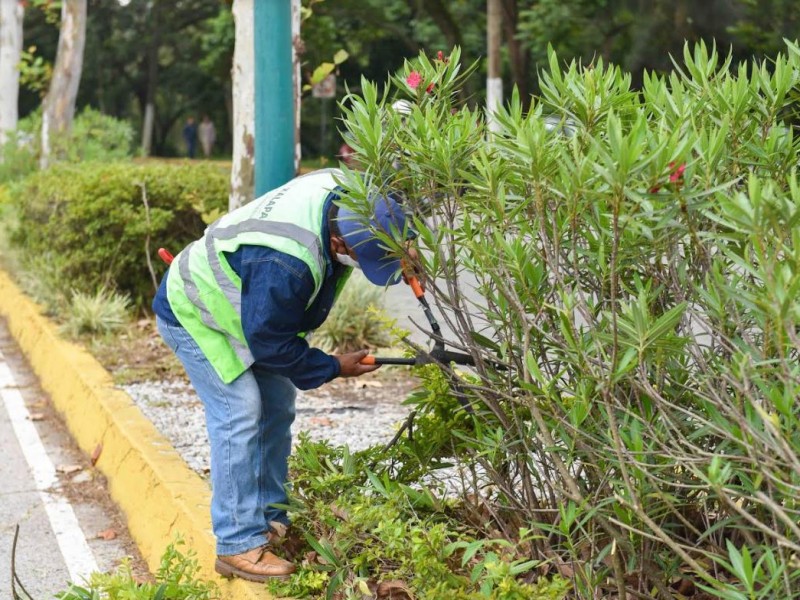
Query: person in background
(235, 307)
(190, 136)
(208, 135)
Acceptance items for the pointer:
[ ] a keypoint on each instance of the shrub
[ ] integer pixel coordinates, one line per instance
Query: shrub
(93, 219)
(99, 313)
(176, 579)
(370, 535)
(94, 137)
(19, 154)
(638, 273)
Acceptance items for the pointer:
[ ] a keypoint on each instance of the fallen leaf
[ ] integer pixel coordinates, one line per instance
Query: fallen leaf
(363, 587)
(393, 590)
(320, 421)
(684, 586)
(566, 571)
(96, 453)
(339, 512)
(67, 469)
(107, 535)
(37, 416)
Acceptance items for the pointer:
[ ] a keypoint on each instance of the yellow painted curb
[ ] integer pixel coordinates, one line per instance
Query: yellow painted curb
(160, 495)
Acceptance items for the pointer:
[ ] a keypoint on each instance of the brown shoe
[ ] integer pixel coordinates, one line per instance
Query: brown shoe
(258, 564)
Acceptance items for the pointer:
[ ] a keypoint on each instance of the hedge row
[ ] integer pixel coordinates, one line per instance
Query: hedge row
(98, 224)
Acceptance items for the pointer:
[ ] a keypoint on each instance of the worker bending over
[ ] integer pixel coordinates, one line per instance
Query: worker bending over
(234, 307)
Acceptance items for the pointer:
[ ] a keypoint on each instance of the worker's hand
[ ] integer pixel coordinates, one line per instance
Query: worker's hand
(350, 365)
(410, 270)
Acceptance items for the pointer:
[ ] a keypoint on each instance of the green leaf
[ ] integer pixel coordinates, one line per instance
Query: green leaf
(484, 341)
(523, 567)
(321, 72)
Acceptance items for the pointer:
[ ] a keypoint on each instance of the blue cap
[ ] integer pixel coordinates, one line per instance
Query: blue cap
(378, 264)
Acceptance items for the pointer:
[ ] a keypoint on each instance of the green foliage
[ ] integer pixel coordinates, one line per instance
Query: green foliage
(99, 313)
(19, 152)
(102, 223)
(575, 27)
(176, 579)
(763, 25)
(637, 263)
(368, 531)
(217, 39)
(356, 320)
(192, 43)
(94, 137)
(34, 72)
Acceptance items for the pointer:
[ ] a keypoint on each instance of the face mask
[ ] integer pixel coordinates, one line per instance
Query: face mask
(347, 261)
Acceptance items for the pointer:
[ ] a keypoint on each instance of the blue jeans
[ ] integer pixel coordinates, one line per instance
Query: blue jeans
(249, 430)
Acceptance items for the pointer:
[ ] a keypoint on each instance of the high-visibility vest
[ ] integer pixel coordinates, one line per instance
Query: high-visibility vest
(206, 294)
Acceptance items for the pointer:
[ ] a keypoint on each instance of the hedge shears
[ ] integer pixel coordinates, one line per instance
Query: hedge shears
(438, 354)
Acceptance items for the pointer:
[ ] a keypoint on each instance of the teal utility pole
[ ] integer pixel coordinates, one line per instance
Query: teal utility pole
(274, 94)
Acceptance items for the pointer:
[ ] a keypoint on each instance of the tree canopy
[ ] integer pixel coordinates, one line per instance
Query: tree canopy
(181, 50)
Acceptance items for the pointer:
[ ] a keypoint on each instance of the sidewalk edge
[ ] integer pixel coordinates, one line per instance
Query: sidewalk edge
(159, 494)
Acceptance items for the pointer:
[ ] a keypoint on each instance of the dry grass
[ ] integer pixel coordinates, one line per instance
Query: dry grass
(135, 354)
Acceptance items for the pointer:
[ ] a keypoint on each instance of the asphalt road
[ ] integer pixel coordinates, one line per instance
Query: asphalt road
(68, 527)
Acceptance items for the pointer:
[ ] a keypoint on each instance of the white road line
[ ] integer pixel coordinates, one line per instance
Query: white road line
(76, 552)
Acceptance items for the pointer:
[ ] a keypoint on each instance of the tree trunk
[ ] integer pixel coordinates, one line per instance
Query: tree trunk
(59, 104)
(11, 13)
(494, 79)
(518, 53)
(243, 168)
(297, 52)
(152, 80)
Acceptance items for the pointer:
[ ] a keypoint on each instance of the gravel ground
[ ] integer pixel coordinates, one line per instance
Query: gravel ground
(357, 412)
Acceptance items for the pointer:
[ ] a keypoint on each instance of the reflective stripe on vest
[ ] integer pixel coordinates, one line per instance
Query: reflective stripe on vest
(241, 350)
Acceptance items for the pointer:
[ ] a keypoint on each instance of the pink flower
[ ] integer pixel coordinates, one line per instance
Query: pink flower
(677, 174)
(413, 80)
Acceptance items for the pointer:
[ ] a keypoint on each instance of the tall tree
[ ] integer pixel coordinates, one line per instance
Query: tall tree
(153, 45)
(11, 14)
(243, 165)
(59, 104)
(494, 78)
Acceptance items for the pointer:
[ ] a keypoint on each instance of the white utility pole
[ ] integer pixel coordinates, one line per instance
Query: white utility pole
(494, 80)
(11, 13)
(244, 117)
